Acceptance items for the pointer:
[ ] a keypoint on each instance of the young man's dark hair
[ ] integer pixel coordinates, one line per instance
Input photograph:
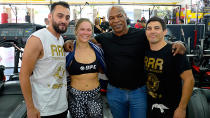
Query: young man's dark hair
(161, 21)
(181, 21)
(62, 3)
(128, 21)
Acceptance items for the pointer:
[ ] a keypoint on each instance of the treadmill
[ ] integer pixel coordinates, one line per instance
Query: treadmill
(69, 34)
(11, 98)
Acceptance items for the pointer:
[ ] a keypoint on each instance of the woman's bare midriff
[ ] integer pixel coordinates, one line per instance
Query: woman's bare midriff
(85, 82)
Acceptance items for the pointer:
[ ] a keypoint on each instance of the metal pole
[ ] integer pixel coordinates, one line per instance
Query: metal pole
(196, 12)
(16, 14)
(80, 11)
(179, 11)
(17, 56)
(149, 13)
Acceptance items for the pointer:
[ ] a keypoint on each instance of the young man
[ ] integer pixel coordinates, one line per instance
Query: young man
(104, 24)
(43, 73)
(124, 50)
(181, 21)
(138, 25)
(167, 97)
(46, 21)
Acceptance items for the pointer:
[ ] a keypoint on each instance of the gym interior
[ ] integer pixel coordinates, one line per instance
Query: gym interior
(20, 18)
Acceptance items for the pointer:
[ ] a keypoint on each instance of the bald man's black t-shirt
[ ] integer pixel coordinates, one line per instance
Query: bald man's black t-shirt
(124, 56)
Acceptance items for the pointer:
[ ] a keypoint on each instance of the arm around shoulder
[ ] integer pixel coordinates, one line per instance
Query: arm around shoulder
(178, 47)
(93, 40)
(68, 45)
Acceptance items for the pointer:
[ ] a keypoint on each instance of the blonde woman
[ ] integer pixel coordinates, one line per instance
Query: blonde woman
(83, 65)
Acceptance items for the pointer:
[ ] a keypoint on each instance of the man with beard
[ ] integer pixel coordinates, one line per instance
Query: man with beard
(42, 74)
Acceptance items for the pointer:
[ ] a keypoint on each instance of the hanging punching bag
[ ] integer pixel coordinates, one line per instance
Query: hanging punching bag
(4, 18)
(27, 18)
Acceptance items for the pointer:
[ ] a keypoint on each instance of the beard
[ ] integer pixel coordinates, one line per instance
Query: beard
(57, 29)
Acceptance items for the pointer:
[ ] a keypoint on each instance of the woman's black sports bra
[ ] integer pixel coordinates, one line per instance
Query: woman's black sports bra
(77, 68)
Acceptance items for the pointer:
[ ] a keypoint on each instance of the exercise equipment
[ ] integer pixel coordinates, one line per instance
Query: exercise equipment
(181, 31)
(199, 104)
(2, 76)
(69, 34)
(11, 100)
(4, 18)
(195, 43)
(17, 33)
(198, 53)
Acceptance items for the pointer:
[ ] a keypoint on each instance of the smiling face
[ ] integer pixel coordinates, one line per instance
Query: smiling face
(84, 31)
(59, 19)
(154, 32)
(117, 20)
